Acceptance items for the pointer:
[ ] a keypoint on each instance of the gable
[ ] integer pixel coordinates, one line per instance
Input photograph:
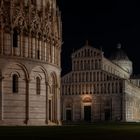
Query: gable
(87, 51)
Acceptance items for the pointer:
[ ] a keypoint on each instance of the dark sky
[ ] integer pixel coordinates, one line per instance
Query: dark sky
(105, 23)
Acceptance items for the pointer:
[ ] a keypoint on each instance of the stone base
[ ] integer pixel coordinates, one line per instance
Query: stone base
(29, 123)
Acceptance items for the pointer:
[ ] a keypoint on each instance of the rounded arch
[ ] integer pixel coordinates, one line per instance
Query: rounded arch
(43, 70)
(23, 67)
(15, 73)
(68, 102)
(38, 76)
(54, 78)
(25, 70)
(87, 99)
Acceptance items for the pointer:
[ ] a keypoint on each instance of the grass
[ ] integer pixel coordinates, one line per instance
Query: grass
(97, 131)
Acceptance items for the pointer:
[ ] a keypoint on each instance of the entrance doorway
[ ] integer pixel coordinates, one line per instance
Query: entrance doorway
(107, 114)
(68, 115)
(87, 113)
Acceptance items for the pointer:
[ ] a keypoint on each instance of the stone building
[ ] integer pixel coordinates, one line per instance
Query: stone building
(30, 47)
(100, 89)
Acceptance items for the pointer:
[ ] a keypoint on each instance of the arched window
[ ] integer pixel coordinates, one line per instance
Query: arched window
(83, 77)
(88, 65)
(108, 87)
(85, 65)
(26, 2)
(104, 88)
(77, 65)
(38, 85)
(87, 79)
(74, 65)
(101, 88)
(97, 88)
(90, 76)
(91, 53)
(81, 65)
(92, 64)
(75, 77)
(38, 54)
(79, 77)
(33, 2)
(15, 83)
(96, 64)
(15, 38)
(121, 87)
(82, 54)
(88, 54)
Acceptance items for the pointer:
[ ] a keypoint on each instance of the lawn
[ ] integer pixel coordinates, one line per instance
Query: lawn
(105, 131)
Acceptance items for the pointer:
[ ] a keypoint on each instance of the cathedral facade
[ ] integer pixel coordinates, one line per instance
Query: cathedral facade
(30, 47)
(100, 89)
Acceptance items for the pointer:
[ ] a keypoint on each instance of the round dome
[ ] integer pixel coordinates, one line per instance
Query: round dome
(120, 58)
(119, 54)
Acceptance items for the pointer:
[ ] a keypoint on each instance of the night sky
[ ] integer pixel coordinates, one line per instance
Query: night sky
(105, 23)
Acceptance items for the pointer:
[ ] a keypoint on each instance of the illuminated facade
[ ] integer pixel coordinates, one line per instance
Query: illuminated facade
(30, 47)
(100, 89)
